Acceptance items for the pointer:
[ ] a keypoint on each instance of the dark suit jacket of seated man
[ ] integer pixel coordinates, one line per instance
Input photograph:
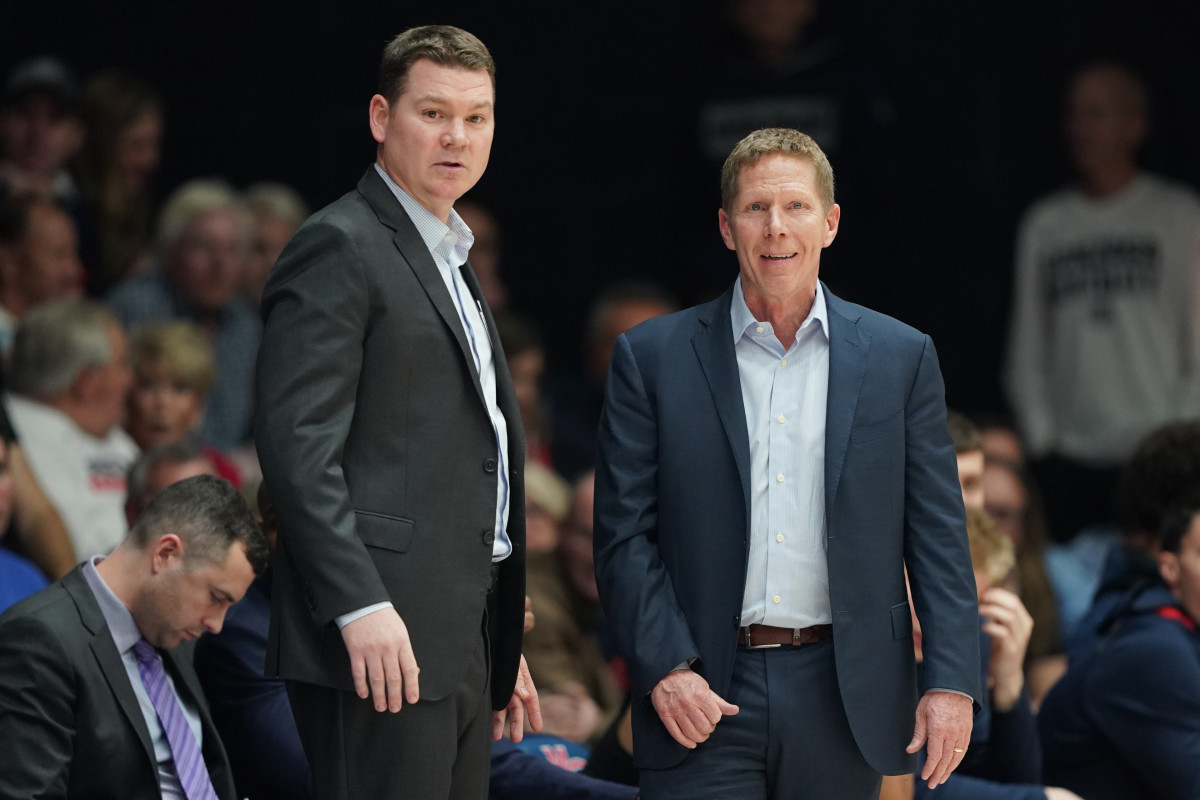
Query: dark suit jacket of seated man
(676, 498)
(72, 722)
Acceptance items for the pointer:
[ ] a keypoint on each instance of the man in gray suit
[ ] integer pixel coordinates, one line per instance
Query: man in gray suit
(84, 662)
(391, 442)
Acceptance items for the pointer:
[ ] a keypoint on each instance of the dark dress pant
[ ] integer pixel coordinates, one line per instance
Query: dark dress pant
(789, 740)
(433, 750)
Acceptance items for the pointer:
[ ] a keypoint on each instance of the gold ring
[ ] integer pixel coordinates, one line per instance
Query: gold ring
(960, 749)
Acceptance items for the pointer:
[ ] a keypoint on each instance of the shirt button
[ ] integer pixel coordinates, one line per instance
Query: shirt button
(759, 329)
(776, 599)
(489, 537)
(779, 477)
(782, 419)
(779, 537)
(489, 465)
(784, 362)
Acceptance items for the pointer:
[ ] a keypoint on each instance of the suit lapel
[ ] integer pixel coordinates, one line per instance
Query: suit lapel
(412, 248)
(105, 651)
(848, 349)
(506, 397)
(718, 359)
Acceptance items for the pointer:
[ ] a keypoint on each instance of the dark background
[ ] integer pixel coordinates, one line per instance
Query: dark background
(591, 170)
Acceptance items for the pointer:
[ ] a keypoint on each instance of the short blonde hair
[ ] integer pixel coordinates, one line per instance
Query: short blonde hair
(277, 201)
(991, 551)
(768, 141)
(198, 197)
(179, 349)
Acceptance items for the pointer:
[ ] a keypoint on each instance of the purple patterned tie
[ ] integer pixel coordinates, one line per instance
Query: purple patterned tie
(189, 761)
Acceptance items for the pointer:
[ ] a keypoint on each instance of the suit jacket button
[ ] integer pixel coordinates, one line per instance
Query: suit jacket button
(489, 465)
(489, 536)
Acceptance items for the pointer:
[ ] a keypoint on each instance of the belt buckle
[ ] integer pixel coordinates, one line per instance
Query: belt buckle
(750, 646)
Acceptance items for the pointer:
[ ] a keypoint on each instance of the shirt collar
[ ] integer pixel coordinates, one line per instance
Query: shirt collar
(433, 231)
(742, 319)
(121, 625)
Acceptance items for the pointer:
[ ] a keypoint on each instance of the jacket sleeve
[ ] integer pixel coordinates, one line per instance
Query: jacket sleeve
(935, 539)
(635, 588)
(316, 312)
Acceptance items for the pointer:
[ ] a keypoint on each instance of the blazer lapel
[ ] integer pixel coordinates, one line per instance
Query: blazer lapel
(718, 359)
(105, 650)
(848, 348)
(506, 396)
(412, 247)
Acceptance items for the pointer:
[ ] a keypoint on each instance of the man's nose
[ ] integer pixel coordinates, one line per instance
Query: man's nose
(455, 133)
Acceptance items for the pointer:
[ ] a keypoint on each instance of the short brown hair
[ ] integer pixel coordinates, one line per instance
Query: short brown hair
(444, 45)
(768, 141)
(965, 434)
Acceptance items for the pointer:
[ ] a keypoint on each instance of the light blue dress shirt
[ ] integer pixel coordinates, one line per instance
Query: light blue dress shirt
(785, 393)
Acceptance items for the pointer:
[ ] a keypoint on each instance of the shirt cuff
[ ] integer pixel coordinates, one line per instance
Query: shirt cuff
(346, 619)
(951, 691)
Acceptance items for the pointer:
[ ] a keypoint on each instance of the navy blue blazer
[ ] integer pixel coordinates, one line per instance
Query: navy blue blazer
(673, 518)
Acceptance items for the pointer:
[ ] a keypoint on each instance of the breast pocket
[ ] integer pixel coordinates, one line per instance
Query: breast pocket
(384, 530)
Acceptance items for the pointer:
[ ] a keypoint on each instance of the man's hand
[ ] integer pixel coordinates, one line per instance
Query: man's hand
(1010, 626)
(1056, 793)
(944, 726)
(688, 708)
(382, 655)
(524, 700)
(529, 618)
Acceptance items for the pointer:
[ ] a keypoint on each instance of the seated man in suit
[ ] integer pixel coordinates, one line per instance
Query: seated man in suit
(98, 698)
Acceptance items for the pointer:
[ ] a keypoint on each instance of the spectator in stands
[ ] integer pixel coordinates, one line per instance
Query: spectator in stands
(1161, 475)
(1125, 720)
(40, 130)
(579, 397)
(1011, 499)
(485, 252)
(278, 210)
(70, 377)
(19, 578)
(1102, 346)
(575, 687)
(173, 371)
(159, 467)
(38, 260)
(1004, 759)
(526, 354)
(116, 169)
(204, 236)
(98, 697)
(968, 449)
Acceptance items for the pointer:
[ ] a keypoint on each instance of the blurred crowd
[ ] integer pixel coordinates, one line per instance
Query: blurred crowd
(129, 330)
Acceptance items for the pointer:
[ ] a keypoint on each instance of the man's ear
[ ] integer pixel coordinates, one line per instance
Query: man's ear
(166, 552)
(380, 113)
(723, 223)
(1168, 568)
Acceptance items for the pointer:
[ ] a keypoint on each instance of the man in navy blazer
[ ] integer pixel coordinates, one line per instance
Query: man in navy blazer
(753, 524)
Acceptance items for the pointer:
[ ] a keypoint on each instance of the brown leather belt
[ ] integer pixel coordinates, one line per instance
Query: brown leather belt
(759, 637)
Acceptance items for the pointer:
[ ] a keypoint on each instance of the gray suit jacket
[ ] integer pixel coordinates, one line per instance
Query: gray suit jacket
(378, 451)
(70, 723)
